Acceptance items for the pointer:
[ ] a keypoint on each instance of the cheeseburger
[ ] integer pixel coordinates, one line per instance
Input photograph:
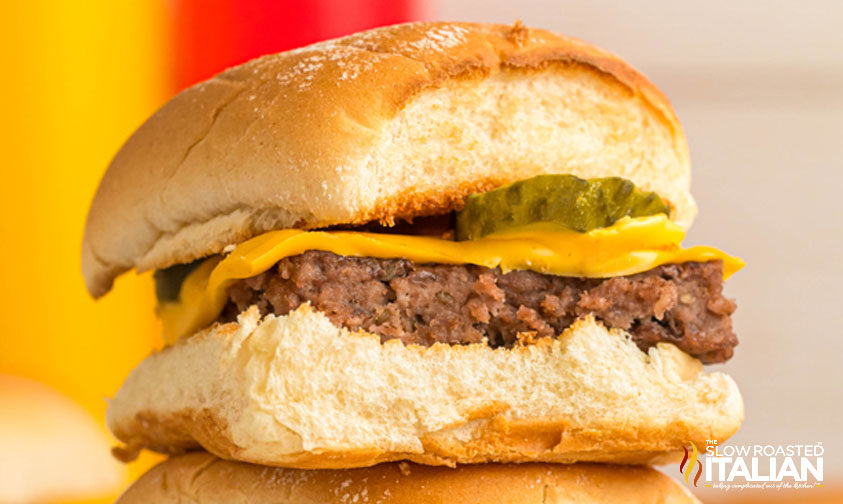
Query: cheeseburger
(437, 242)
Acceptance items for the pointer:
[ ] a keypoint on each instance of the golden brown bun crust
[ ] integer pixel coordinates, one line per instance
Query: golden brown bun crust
(296, 391)
(204, 479)
(391, 123)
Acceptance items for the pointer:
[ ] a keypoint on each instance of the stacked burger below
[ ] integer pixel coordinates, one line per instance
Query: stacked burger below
(433, 262)
(200, 477)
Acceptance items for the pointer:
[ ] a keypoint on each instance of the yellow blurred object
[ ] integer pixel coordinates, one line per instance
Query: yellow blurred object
(50, 447)
(79, 77)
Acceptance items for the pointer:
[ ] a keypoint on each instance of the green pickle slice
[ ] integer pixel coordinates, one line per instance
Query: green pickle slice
(566, 201)
(168, 280)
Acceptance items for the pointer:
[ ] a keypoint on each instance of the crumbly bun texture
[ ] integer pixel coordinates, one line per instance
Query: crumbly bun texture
(297, 391)
(388, 124)
(200, 478)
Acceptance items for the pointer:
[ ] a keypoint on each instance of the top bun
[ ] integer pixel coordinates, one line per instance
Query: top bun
(397, 122)
(51, 449)
(201, 478)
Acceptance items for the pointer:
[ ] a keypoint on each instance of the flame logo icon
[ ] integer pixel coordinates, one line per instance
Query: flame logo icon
(694, 455)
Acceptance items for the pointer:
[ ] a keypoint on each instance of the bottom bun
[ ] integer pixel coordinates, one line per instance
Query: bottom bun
(296, 391)
(201, 478)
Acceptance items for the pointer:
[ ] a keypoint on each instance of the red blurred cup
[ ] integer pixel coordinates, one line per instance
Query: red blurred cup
(211, 35)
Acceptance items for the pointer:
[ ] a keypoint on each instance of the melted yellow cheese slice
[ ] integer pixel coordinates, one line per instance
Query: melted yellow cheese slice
(629, 246)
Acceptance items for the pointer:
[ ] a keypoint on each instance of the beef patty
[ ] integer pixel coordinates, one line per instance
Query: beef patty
(460, 304)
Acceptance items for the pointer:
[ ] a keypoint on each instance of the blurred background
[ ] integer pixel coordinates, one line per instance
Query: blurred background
(758, 86)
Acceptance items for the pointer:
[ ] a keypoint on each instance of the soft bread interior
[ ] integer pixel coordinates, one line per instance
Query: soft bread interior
(514, 125)
(297, 391)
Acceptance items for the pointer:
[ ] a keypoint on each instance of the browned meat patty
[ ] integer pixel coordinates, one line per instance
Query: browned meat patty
(459, 304)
